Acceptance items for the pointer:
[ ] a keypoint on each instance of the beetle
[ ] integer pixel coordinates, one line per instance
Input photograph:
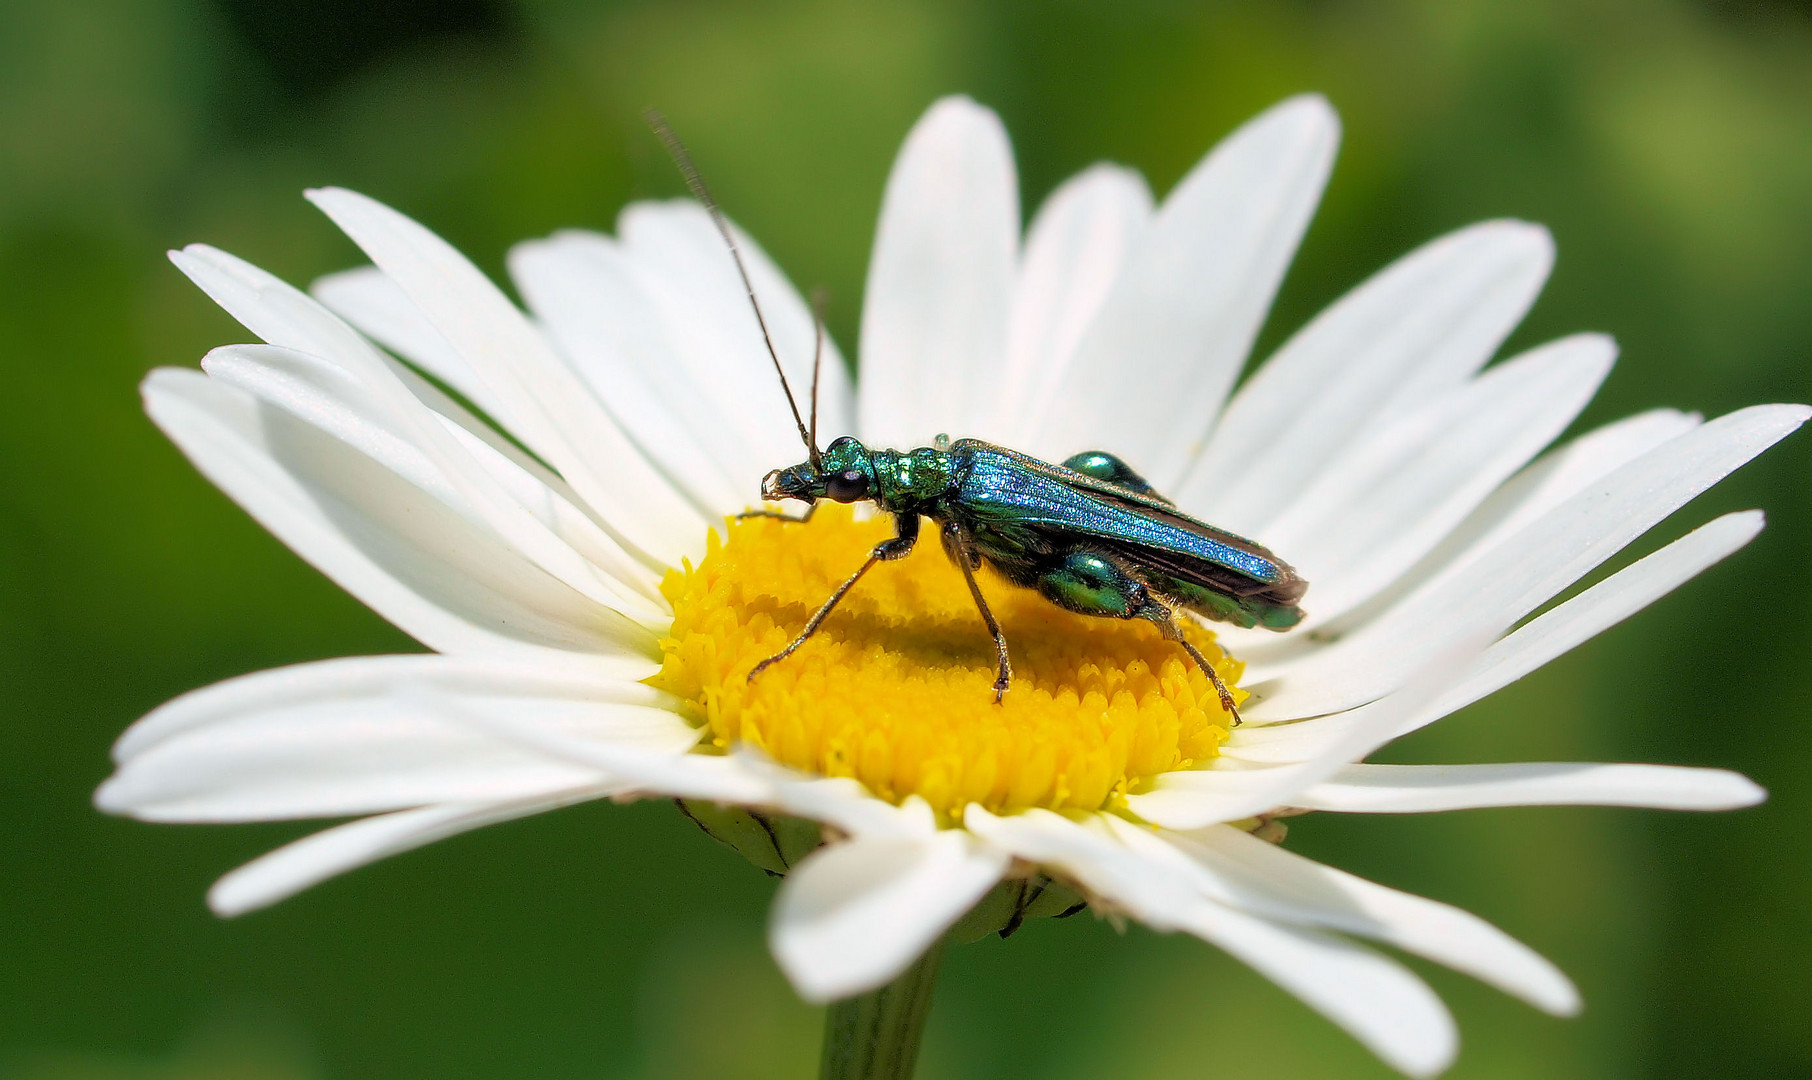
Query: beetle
(1090, 535)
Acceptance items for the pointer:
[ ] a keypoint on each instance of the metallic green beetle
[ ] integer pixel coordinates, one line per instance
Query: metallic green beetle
(1090, 535)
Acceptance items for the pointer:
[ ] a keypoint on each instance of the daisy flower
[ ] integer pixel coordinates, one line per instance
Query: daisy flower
(547, 501)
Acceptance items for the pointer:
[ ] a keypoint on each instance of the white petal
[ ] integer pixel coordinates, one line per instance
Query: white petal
(327, 397)
(352, 736)
(602, 570)
(283, 315)
(526, 482)
(1553, 633)
(613, 334)
(681, 261)
(1232, 789)
(549, 407)
(1375, 999)
(290, 319)
(1599, 608)
(1266, 880)
(313, 859)
(855, 914)
(1526, 569)
(1415, 789)
(794, 328)
(661, 326)
(1547, 483)
(381, 311)
(941, 277)
(458, 415)
(1074, 251)
(330, 398)
(1413, 331)
(449, 585)
(1154, 368)
(1392, 497)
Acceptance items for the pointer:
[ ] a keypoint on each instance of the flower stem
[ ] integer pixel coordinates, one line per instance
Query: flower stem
(875, 1036)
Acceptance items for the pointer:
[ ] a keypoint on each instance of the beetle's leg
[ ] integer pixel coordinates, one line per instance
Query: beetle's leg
(1092, 583)
(1167, 625)
(961, 549)
(906, 528)
(778, 516)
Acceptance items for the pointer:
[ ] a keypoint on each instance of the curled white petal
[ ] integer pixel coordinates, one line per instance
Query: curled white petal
(853, 915)
(1375, 999)
(1263, 879)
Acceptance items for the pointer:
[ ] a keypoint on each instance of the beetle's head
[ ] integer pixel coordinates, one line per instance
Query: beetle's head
(847, 476)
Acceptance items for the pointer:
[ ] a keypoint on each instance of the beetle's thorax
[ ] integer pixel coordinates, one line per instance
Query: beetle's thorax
(909, 481)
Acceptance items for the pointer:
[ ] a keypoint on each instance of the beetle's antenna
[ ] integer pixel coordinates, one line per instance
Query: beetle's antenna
(817, 355)
(677, 150)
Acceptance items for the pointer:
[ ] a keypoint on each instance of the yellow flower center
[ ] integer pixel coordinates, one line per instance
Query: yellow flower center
(894, 689)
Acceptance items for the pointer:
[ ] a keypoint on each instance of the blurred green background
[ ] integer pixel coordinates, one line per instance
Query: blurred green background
(1668, 145)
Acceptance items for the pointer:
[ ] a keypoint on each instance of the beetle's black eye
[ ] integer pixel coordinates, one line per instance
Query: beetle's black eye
(847, 486)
